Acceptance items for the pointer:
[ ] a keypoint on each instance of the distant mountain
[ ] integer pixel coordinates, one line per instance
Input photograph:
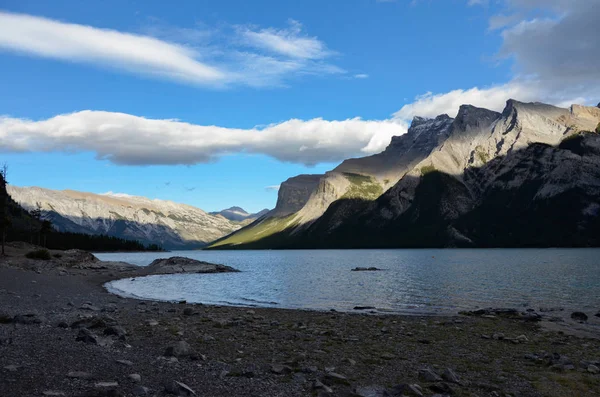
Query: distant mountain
(168, 224)
(238, 214)
(529, 176)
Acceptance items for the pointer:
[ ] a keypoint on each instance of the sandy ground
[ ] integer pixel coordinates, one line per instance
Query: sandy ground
(61, 333)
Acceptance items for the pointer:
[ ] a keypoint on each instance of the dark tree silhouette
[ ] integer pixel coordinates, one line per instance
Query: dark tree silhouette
(4, 219)
(45, 229)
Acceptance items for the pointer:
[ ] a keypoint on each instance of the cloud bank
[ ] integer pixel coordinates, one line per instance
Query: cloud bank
(132, 140)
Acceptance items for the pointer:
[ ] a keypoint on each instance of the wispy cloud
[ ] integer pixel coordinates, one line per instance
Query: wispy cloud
(361, 76)
(290, 42)
(272, 188)
(238, 55)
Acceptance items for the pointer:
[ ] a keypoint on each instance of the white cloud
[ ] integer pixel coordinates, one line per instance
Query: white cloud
(131, 140)
(361, 76)
(134, 53)
(556, 52)
(494, 98)
(290, 42)
(276, 55)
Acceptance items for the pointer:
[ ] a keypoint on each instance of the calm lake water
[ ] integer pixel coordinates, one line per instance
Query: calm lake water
(414, 281)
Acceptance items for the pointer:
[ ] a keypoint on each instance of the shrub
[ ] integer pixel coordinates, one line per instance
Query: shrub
(598, 129)
(38, 254)
(427, 169)
(57, 255)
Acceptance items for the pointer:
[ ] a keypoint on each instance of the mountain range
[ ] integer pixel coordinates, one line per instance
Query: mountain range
(168, 224)
(528, 176)
(238, 214)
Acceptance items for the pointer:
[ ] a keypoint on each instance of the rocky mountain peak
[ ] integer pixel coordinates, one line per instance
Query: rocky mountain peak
(237, 209)
(472, 117)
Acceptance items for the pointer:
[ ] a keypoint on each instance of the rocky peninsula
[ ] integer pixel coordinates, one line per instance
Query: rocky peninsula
(63, 334)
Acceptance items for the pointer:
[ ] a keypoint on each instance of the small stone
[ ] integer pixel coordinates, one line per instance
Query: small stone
(443, 388)
(179, 389)
(592, 369)
(90, 307)
(498, 336)
(179, 349)
(124, 362)
(53, 393)
(280, 369)
(318, 385)
(116, 330)
(407, 390)
(450, 376)
(522, 338)
(140, 391)
(63, 324)
(333, 377)
(106, 385)
(137, 378)
(350, 361)
(86, 336)
(388, 356)
(427, 375)
(579, 316)
(152, 323)
(12, 368)
(29, 318)
(188, 311)
(79, 375)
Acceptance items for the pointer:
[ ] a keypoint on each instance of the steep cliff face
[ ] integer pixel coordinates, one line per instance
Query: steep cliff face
(304, 198)
(294, 193)
(530, 155)
(166, 223)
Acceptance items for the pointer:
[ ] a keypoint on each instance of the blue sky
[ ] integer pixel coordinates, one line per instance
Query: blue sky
(210, 103)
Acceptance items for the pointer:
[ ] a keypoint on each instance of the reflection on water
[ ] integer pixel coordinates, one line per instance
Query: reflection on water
(417, 281)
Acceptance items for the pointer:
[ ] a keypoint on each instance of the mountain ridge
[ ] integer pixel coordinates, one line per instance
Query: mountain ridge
(150, 221)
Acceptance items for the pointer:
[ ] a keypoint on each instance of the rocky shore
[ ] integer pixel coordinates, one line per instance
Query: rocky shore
(62, 334)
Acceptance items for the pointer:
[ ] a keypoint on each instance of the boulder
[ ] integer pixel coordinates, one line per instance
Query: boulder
(579, 316)
(179, 264)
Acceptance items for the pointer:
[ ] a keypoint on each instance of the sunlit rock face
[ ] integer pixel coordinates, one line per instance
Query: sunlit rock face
(166, 223)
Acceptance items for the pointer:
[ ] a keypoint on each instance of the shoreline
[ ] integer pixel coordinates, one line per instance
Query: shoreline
(263, 351)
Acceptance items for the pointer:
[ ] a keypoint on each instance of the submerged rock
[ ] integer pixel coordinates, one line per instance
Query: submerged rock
(365, 269)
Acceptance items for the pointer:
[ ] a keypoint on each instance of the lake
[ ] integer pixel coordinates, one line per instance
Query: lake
(419, 281)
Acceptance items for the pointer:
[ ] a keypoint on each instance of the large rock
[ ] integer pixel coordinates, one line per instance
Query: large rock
(179, 264)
